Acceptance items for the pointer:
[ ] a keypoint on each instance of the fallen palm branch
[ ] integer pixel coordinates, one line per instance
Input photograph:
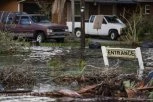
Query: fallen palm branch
(145, 88)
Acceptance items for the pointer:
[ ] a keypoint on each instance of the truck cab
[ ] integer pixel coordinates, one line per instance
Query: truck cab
(35, 26)
(101, 25)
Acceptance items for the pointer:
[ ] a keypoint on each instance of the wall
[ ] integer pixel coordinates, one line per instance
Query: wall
(151, 8)
(9, 6)
(106, 9)
(129, 8)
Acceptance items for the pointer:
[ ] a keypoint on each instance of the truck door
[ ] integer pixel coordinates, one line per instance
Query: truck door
(25, 27)
(90, 29)
(21, 27)
(104, 28)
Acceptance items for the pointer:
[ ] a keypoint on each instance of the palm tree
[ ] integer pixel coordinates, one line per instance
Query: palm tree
(58, 8)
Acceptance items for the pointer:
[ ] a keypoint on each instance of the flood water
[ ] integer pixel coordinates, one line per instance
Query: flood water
(37, 61)
(40, 63)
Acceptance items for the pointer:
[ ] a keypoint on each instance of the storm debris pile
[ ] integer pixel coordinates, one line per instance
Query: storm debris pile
(12, 77)
(124, 87)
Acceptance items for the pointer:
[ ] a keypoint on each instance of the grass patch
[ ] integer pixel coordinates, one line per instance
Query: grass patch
(66, 44)
(77, 44)
(62, 65)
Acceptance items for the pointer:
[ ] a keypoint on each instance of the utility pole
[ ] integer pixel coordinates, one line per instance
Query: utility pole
(73, 18)
(82, 9)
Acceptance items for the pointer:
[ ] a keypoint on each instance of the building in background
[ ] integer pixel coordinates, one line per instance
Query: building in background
(93, 7)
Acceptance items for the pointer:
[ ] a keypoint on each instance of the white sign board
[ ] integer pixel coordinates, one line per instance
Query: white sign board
(123, 53)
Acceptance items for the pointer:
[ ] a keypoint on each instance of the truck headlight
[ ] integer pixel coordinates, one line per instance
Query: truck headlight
(49, 30)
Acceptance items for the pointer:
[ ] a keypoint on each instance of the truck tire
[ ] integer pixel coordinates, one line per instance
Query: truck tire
(60, 40)
(113, 34)
(78, 33)
(40, 37)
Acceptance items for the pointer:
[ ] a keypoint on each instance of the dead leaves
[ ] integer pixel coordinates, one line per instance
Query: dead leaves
(87, 88)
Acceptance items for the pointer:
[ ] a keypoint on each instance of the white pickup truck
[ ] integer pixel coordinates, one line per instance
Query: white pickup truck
(101, 25)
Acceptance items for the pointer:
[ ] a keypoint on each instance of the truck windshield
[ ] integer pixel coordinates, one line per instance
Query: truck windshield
(40, 19)
(112, 19)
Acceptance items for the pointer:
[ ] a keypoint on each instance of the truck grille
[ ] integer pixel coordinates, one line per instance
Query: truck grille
(58, 30)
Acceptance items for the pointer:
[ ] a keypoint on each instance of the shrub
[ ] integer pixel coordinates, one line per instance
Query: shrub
(139, 26)
(132, 23)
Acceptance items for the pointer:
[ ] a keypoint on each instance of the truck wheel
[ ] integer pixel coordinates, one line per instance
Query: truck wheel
(60, 40)
(40, 37)
(113, 35)
(78, 33)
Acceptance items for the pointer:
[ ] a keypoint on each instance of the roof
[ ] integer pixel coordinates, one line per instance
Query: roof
(145, 0)
(117, 1)
(86, 0)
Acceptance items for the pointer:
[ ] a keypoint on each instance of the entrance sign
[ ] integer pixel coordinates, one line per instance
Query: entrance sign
(123, 53)
(119, 52)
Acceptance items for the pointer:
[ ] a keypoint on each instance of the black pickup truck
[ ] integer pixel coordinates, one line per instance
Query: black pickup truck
(34, 26)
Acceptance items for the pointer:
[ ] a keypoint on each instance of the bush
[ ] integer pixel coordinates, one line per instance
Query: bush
(139, 27)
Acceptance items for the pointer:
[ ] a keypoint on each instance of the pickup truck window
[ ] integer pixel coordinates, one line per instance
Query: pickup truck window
(25, 20)
(9, 21)
(92, 19)
(104, 21)
(112, 19)
(40, 19)
(16, 19)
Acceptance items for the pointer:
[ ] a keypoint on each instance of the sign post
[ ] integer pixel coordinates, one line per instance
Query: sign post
(139, 56)
(123, 53)
(82, 10)
(104, 52)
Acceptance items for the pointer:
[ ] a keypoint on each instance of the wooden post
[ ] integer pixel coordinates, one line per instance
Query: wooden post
(141, 65)
(82, 5)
